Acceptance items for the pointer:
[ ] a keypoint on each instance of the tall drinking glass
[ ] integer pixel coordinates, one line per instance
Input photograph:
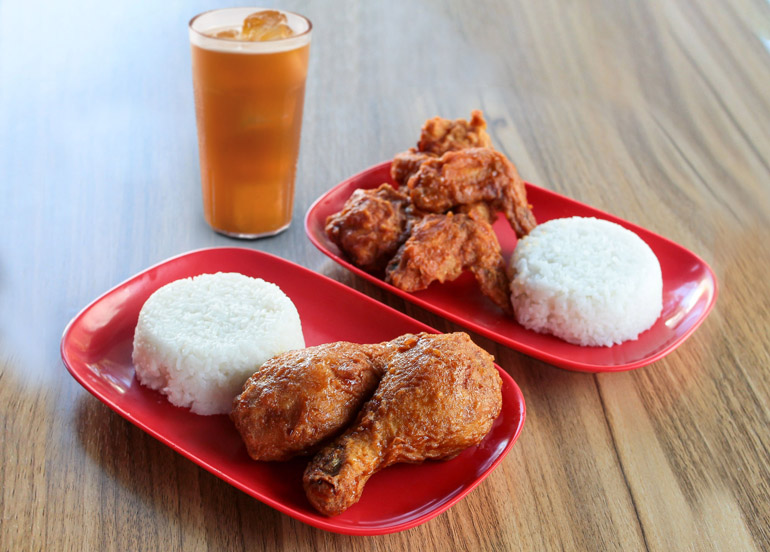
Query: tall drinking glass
(249, 96)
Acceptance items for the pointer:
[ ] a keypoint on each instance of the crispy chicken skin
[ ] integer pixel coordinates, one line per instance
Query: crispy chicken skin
(437, 137)
(477, 211)
(442, 246)
(371, 226)
(469, 176)
(440, 135)
(298, 399)
(439, 395)
(405, 164)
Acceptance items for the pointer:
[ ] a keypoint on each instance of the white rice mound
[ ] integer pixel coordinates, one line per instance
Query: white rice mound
(588, 281)
(199, 339)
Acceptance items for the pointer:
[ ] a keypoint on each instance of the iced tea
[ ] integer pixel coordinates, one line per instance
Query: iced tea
(249, 83)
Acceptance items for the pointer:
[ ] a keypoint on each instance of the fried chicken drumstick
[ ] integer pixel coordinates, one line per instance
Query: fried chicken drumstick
(439, 395)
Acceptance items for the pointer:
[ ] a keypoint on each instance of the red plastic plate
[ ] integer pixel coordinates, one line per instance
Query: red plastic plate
(96, 349)
(689, 286)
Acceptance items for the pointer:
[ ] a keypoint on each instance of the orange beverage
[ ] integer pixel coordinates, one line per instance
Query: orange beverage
(249, 93)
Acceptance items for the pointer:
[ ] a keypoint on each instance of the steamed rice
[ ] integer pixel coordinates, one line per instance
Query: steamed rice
(199, 339)
(588, 281)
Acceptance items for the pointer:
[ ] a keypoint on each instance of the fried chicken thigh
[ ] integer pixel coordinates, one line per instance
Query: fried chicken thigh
(439, 395)
(442, 246)
(296, 400)
(371, 226)
(469, 176)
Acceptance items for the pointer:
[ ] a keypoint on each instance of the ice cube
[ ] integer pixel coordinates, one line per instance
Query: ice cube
(265, 25)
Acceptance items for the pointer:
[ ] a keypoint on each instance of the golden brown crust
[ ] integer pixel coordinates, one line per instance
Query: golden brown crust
(470, 176)
(371, 226)
(441, 247)
(479, 211)
(405, 164)
(296, 400)
(440, 135)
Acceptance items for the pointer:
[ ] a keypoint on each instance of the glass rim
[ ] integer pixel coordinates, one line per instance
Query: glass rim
(305, 34)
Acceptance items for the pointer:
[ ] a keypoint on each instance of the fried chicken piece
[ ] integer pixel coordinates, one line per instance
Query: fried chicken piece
(407, 163)
(477, 211)
(469, 176)
(438, 136)
(296, 400)
(371, 226)
(439, 396)
(441, 247)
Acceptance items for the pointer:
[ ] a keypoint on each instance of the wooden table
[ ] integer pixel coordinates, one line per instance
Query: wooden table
(658, 112)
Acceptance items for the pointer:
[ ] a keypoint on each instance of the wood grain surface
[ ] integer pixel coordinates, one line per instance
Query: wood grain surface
(657, 112)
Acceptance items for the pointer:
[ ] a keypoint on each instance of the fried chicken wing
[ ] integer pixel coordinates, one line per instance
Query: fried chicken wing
(371, 226)
(469, 176)
(296, 400)
(438, 136)
(439, 395)
(442, 246)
